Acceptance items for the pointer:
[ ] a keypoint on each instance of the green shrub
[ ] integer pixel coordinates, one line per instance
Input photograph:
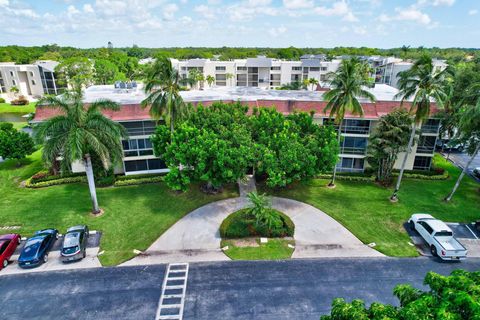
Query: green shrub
(2, 100)
(132, 182)
(349, 178)
(21, 101)
(242, 224)
(43, 184)
(105, 181)
(43, 176)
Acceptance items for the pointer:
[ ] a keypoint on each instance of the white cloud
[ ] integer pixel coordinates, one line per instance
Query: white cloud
(71, 10)
(4, 3)
(350, 17)
(275, 32)
(169, 11)
(205, 11)
(339, 8)
(472, 12)
(298, 4)
(87, 7)
(259, 3)
(244, 12)
(360, 30)
(407, 14)
(436, 3)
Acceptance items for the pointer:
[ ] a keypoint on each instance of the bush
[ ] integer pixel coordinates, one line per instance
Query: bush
(21, 101)
(49, 183)
(242, 224)
(105, 181)
(132, 182)
(360, 178)
(2, 100)
(43, 176)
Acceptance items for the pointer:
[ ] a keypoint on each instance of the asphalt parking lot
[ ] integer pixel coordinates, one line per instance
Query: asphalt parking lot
(54, 263)
(461, 158)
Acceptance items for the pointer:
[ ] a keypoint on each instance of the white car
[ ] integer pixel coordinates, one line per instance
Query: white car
(476, 172)
(438, 236)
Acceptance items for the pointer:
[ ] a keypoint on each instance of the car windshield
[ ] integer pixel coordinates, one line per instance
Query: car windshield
(31, 247)
(443, 234)
(70, 250)
(71, 239)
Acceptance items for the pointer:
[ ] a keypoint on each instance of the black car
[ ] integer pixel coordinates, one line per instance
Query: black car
(74, 244)
(35, 251)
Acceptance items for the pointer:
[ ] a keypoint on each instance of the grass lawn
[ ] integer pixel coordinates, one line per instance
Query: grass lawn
(365, 210)
(134, 217)
(19, 125)
(274, 249)
(8, 108)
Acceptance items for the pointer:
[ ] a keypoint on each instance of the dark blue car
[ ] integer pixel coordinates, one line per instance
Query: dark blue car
(35, 251)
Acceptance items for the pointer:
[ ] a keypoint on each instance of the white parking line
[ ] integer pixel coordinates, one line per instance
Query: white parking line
(471, 231)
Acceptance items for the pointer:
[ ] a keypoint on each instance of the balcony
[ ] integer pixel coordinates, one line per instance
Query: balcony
(351, 150)
(430, 128)
(355, 129)
(425, 149)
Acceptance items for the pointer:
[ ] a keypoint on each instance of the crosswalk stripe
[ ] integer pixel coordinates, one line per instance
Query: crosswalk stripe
(170, 306)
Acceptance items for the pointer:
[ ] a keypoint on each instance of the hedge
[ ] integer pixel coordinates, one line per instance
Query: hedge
(419, 176)
(241, 224)
(131, 182)
(348, 177)
(43, 176)
(43, 184)
(139, 176)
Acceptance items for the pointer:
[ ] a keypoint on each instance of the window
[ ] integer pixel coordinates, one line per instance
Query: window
(426, 226)
(295, 78)
(14, 82)
(220, 68)
(323, 77)
(422, 163)
(275, 77)
(443, 234)
(275, 68)
(323, 68)
(139, 128)
(31, 74)
(137, 147)
(354, 145)
(221, 77)
(33, 82)
(184, 68)
(296, 68)
(252, 70)
(241, 68)
(4, 246)
(431, 126)
(314, 68)
(351, 165)
(356, 126)
(144, 165)
(11, 74)
(426, 144)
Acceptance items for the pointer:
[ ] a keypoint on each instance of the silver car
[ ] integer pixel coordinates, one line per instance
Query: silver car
(74, 244)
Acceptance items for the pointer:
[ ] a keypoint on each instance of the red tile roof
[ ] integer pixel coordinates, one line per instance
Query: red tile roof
(130, 112)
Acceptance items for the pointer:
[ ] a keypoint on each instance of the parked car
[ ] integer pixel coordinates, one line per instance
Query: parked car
(8, 244)
(438, 236)
(74, 244)
(35, 251)
(450, 145)
(476, 172)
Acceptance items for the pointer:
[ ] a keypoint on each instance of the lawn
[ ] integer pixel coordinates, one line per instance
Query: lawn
(134, 216)
(274, 249)
(365, 210)
(8, 108)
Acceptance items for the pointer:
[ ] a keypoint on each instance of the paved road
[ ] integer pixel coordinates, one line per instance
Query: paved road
(293, 289)
(461, 159)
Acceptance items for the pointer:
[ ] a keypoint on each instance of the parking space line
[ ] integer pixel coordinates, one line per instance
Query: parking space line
(468, 227)
(172, 297)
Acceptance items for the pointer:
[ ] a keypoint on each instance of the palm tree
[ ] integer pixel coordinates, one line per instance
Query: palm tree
(313, 82)
(79, 133)
(229, 76)
(210, 80)
(163, 89)
(422, 83)
(195, 77)
(347, 85)
(468, 130)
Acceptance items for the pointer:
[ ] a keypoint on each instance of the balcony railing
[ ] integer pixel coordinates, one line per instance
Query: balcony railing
(425, 149)
(430, 128)
(354, 129)
(350, 150)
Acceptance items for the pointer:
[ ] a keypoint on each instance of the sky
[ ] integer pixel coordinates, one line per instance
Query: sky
(245, 23)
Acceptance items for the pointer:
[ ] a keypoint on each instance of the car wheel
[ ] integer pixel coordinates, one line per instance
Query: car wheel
(45, 258)
(433, 250)
(412, 225)
(56, 235)
(5, 263)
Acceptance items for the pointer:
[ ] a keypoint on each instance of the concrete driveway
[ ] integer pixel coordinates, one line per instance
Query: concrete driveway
(54, 263)
(196, 237)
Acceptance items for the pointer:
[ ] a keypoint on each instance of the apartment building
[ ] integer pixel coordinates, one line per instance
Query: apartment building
(386, 69)
(32, 80)
(138, 151)
(261, 72)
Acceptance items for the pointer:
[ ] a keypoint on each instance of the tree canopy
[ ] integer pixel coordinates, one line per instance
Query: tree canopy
(14, 144)
(454, 297)
(220, 143)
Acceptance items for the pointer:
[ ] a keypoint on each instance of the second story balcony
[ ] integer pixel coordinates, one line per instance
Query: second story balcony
(431, 126)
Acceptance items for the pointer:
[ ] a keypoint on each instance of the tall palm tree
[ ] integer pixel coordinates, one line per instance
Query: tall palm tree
(469, 131)
(346, 86)
(422, 83)
(163, 88)
(313, 82)
(229, 76)
(78, 133)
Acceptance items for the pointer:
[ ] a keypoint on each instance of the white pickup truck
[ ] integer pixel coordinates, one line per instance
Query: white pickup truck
(438, 236)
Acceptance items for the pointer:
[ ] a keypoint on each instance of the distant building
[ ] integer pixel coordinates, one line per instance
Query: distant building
(138, 150)
(32, 80)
